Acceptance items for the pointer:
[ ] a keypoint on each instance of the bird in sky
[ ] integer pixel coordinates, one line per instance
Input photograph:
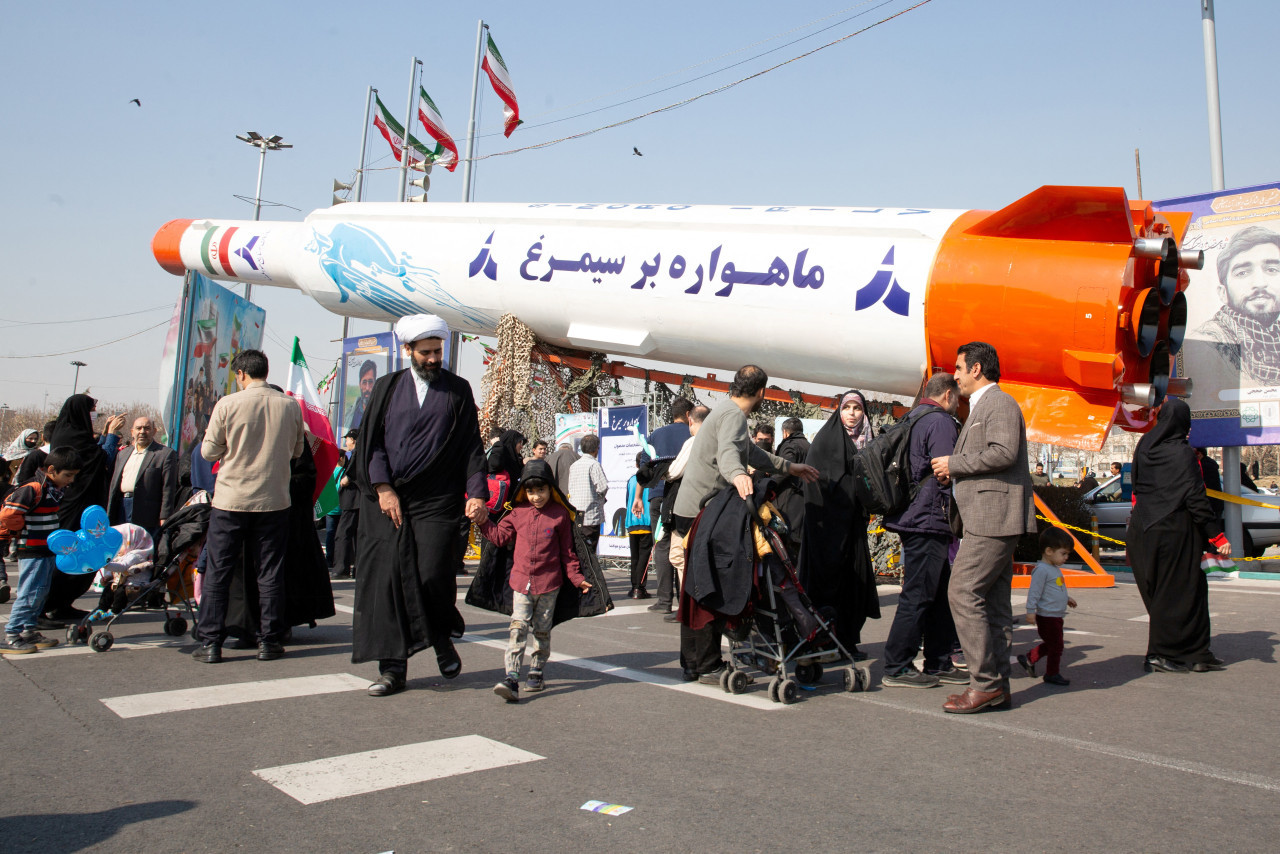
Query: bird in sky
(136, 101)
(636, 151)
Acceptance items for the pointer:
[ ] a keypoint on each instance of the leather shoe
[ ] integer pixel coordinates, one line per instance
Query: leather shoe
(270, 650)
(660, 606)
(209, 653)
(638, 593)
(387, 684)
(672, 617)
(1158, 663)
(448, 660)
(1208, 666)
(974, 701)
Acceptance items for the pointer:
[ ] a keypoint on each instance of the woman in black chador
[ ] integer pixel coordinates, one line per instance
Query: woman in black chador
(1171, 525)
(835, 563)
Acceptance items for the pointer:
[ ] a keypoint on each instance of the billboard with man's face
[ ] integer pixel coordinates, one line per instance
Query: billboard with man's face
(1232, 346)
(365, 360)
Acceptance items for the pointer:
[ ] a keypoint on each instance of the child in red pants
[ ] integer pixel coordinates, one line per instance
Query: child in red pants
(1047, 603)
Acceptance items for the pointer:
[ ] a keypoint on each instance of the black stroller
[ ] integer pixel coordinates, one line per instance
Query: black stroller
(187, 528)
(782, 635)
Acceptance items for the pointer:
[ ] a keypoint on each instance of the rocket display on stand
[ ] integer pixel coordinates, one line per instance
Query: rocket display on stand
(1079, 289)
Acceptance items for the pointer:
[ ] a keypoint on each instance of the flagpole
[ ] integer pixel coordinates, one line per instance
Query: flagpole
(364, 142)
(408, 129)
(471, 126)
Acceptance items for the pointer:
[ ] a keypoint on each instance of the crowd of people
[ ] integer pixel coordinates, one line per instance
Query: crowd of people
(415, 476)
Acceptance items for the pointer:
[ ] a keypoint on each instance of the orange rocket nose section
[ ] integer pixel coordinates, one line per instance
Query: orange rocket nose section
(166, 243)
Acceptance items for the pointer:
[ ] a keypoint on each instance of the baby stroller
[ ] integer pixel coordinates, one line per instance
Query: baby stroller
(183, 531)
(782, 635)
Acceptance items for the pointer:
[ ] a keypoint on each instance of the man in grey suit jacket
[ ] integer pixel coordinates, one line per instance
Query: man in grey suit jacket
(993, 506)
(144, 485)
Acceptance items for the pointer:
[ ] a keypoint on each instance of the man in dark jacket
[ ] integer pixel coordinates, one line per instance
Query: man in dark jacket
(923, 612)
(794, 448)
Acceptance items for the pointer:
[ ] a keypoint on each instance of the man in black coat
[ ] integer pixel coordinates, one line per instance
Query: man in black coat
(794, 448)
(144, 484)
(923, 611)
(418, 461)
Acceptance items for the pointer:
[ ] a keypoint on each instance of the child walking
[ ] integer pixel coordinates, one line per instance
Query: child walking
(30, 515)
(544, 556)
(1047, 603)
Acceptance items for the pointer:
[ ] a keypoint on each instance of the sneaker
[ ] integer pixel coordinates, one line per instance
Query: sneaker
(17, 645)
(712, 678)
(951, 676)
(909, 677)
(1028, 665)
(508, 689)
(1057, 679)
(534, 683)
(38, 640)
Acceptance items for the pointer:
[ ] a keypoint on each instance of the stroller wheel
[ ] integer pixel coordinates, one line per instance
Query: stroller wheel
(737, 682)
(77, 634)
(789, 692)
(101, 642)
(809, 672)
(5, 592)
(724, 679)
(179, 626)
(775, 684)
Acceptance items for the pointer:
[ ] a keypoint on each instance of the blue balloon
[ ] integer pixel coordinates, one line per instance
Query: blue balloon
(111, 541)
(62, 543)
(94, 520)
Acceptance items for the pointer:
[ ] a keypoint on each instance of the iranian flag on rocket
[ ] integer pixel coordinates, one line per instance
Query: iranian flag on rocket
(393, 132)
(501, 80)
(434, 124)
(319, 431)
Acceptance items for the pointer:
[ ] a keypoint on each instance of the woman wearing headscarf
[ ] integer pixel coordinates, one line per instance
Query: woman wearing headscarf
(74, 428)
(27, 441)
(835, 563)
(508, 456)
(1168, 530)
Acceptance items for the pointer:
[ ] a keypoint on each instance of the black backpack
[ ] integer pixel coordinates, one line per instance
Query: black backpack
(882, 470)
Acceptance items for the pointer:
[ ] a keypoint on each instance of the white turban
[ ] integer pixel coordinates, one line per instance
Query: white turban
(415, 327)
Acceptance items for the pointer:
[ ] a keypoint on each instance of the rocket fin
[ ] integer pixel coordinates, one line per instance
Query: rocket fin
(1064, 416)
(585, 336)
(1094, 214)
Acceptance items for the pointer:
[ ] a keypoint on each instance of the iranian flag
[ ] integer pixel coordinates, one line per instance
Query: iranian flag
(318, 430)
(393, 132)
(434, 125)
(501, 80)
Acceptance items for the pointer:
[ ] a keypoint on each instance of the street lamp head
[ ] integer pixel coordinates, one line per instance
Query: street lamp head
(78, 363)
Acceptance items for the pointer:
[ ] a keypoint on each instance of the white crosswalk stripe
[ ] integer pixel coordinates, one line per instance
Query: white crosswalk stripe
(390, 767)
(160, 702)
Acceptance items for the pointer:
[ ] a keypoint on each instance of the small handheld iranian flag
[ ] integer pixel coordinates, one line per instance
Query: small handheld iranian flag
(430, 118)
(501, 80)
(393, 132)
(319, 431)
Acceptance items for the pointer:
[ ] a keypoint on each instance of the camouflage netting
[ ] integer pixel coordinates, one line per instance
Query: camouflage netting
(522, 390)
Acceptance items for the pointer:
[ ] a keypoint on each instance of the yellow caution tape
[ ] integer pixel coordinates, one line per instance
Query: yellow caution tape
(1236, 499)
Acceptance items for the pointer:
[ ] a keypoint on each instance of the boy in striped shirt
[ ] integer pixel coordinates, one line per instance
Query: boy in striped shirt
(29, 516)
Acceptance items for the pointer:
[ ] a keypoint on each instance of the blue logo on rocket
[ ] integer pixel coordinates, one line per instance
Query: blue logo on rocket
(897, 300)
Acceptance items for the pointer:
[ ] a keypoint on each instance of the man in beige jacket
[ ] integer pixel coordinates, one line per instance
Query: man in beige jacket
(253, 434)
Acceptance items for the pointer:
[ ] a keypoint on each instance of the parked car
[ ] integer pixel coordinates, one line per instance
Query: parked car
(1261, 526)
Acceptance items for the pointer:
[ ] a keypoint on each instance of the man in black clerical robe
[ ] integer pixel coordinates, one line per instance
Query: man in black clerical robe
(419, 460)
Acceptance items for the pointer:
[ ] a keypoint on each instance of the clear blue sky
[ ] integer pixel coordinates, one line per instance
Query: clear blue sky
(960, 104)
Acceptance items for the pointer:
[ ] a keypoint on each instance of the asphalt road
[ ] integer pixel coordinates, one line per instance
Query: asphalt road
(1120, 761)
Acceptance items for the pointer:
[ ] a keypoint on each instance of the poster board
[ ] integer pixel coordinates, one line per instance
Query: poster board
(365, 358)
(1232, 346)
(572, 426)
(619, 445)
(219, 324)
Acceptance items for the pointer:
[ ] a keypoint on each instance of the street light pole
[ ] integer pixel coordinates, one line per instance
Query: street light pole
(76, 382)
(263, 144)
(4, 413)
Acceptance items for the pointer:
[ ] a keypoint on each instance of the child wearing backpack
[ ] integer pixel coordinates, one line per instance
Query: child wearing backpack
(30, 514)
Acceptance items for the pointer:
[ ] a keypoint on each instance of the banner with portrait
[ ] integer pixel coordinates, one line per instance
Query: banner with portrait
(572, 426)
(217, 325)
(365, 359)
(1232, 346)
(617, 427)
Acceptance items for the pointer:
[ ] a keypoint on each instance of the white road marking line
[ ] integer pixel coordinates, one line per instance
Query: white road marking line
(620, 610)
(1146, 618)
(391, 767)
(754, 700)
(345, 609)
(64, 648)
(161, 702)
(1186, 766)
